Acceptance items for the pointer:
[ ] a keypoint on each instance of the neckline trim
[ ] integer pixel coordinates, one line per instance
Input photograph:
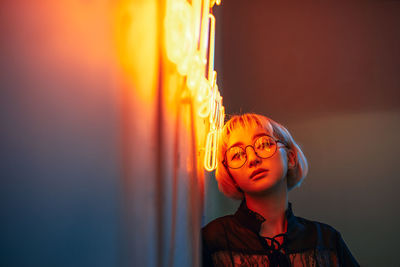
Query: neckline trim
(253, 220)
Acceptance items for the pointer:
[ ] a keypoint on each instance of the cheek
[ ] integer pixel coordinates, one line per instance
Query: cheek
(238, 176)
(279, 163)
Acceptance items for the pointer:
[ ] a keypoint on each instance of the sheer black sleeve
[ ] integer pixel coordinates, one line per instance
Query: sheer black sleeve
(345, 257)
(206, 255)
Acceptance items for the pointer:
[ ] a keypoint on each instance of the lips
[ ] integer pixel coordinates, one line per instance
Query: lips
(258, 171)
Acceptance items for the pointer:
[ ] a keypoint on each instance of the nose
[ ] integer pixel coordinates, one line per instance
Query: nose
(252, 157)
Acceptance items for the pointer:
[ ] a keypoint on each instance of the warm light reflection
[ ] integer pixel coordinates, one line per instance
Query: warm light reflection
(137, 59)
(189, 43)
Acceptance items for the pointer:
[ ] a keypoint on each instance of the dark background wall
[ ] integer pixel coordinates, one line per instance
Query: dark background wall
(330, 73)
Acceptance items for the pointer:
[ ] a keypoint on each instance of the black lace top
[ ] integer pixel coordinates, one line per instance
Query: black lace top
(234, 240)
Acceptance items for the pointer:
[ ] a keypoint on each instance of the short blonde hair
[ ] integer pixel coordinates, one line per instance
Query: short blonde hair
(226, 183)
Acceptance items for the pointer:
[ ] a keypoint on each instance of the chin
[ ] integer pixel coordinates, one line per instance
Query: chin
(265, 185)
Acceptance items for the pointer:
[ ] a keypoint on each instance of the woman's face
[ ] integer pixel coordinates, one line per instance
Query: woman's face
(259, 175)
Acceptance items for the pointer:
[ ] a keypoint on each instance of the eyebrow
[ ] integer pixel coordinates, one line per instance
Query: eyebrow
(254, 138)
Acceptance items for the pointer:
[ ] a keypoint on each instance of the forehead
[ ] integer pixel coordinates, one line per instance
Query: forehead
(245, 135)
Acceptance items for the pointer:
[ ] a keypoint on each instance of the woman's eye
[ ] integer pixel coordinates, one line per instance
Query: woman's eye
(265, 144)
(237, 155)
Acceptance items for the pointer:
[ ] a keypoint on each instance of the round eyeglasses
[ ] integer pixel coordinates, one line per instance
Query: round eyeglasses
(264, 146)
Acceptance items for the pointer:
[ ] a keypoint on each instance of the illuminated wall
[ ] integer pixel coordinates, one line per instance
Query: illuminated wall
(172, 112)
(108, 130)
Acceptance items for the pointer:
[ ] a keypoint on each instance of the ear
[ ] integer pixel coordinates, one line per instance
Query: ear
(291, 158)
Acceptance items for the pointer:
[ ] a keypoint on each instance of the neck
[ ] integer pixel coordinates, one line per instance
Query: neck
(272, 206)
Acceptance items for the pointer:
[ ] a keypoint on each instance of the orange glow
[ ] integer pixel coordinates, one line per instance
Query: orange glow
(135, 21)
(218, 2)
(210, 159)
(221, 118)
(211, 47)
(204, 99)
(179, 36)
(204, 29)
(189, 36)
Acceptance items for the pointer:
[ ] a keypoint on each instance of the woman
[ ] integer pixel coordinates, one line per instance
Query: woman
(259, 162)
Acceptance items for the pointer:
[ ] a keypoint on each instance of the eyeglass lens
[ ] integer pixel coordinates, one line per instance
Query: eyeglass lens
(264, 147)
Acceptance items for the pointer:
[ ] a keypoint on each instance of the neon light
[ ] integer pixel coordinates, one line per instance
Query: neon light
(189, 34)
(207, 97)
(221, 117)
(196, 23)
(179, 38)
(211, 47)
(204, 29)
(204, 109)
(196, 71)
(214, 100)
(204, 99)
(210, 159)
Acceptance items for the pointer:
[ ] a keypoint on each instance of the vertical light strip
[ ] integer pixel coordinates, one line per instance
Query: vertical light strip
(210, 154)
(204, 29)
(211, 47)
(190, 44)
